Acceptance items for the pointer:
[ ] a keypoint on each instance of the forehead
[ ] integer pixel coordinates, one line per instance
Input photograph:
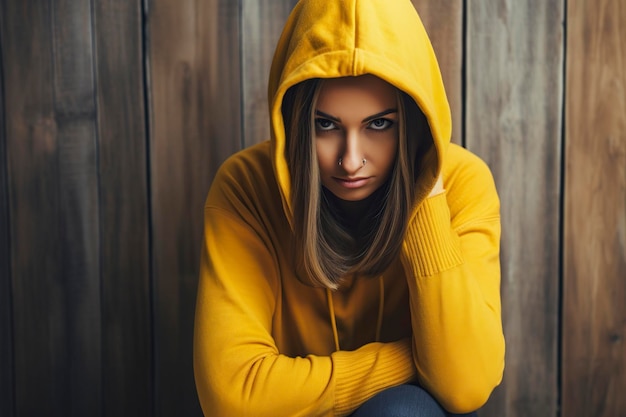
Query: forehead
(366, 90)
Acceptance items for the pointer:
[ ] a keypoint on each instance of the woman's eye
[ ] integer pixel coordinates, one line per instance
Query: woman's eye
(381, 124)
(325, 124)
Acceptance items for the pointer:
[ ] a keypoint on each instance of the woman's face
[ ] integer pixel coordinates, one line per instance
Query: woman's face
(356, 135)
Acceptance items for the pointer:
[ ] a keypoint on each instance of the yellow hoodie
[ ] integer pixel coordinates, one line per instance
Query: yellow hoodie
(265, 343)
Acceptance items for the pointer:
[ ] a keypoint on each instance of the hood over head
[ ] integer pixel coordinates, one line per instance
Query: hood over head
(340, 38)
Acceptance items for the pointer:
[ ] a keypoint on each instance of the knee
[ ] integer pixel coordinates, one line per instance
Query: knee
(401, 401)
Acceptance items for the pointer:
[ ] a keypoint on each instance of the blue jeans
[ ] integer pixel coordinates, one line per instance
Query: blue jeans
(403, 401)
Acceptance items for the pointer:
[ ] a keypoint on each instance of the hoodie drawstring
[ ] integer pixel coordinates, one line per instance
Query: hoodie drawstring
(379, 320)
(333, 321)
(381, 307)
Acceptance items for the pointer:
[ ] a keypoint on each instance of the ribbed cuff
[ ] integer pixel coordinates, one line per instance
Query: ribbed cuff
(363, 373)
(430, 245)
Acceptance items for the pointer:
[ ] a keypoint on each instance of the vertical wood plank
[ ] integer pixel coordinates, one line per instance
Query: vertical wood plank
(513, 121)
(444, 23)
(194, 58)
(6, 291)
(263, 22)
(75, 113)
(53, 205)
(31, 149)
(126, 303)
(594, 290)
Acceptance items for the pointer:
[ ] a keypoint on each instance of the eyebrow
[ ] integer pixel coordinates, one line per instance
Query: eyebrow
(367, 119)
(379, 115)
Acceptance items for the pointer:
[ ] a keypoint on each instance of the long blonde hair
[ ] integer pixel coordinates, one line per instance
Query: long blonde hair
(325, 246)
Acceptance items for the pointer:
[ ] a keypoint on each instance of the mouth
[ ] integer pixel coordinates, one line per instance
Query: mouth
(352, 182)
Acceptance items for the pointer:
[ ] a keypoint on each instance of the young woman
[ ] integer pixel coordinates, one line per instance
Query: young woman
(351, 263)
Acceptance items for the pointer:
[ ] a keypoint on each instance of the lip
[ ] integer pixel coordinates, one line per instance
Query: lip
(352, 182)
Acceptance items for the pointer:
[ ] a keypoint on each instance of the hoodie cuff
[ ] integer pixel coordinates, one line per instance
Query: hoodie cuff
(430, 245)
(363, 373)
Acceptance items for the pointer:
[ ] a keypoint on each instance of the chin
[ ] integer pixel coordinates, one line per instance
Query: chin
(357, 195)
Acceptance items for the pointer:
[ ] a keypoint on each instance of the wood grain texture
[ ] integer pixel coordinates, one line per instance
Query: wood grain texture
(262, 24)
(53, 205)
(194, 59)
(124, 212)
(75, 113)
(594, 284)
(514, 85)
(7, 399)
(444, 23)
(31, 137)
(101, 213)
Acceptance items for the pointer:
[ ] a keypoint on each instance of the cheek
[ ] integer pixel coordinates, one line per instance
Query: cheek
(326, 155)
(387, 152)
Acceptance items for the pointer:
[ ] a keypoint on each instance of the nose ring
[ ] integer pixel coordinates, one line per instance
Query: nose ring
(363, 161)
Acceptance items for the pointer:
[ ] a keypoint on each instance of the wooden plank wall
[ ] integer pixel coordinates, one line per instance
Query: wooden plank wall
(124, 210)
(115, 115)
(193, 55)
(6, 299)
(76, 199)
(513, 116)
(594, 265)
(52, 205)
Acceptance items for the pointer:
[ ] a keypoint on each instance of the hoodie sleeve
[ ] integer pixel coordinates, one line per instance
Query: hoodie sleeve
(238, 368)
(452, 253)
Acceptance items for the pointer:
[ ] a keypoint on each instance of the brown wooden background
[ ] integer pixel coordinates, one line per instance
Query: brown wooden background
(114, 115)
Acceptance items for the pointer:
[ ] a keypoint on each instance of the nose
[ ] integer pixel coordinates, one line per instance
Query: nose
(352, 156)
